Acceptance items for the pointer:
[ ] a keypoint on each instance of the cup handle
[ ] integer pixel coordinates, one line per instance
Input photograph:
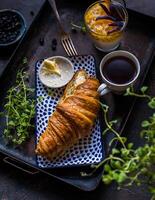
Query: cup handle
(103, 90)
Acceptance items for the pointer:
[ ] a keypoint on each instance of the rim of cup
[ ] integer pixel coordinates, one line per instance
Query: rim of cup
(120, 53)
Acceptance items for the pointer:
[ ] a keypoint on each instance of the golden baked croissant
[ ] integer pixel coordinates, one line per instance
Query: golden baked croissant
(73, 118)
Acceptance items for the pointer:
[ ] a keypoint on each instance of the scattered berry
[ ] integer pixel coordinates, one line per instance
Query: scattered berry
(32, 13)
(41, 41)
(54, 42)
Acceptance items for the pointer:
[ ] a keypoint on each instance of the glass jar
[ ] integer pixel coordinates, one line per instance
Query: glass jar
(106, 31)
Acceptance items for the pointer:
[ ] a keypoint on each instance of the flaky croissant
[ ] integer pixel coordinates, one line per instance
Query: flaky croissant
(73, 118)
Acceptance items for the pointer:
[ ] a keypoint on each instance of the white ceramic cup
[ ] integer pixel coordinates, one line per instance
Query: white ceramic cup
(109, 86)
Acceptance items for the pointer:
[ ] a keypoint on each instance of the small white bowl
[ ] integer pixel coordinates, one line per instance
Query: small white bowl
(55, 81)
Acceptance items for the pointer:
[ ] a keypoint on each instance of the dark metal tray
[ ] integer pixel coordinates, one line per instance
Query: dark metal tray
(139, 39)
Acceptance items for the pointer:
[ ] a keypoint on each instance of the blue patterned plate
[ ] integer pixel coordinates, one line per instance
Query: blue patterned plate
(88, 150)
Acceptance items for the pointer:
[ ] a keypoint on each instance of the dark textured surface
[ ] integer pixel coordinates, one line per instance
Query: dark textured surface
(17, 185)
(144, 6)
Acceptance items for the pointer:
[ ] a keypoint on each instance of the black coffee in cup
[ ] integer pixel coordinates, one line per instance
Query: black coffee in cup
(119, 70)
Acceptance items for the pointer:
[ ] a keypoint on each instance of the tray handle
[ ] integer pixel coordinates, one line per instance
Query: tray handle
(18, 165)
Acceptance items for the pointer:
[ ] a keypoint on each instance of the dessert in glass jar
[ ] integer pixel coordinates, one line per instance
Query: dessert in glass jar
(105, 22)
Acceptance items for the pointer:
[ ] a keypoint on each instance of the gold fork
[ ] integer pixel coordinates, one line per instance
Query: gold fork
(66, 40)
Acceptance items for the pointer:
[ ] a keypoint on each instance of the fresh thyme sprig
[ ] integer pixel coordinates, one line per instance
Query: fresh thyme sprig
(80, 27)
(129, 165)
(19, 111)
(151, 100)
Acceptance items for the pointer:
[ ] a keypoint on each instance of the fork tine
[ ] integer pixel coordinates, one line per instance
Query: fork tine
(69, 51)
(68, 44)
(72, 49)
(66, 47)
(72, 46)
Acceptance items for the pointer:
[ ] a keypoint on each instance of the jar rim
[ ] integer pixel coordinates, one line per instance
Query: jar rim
(114, 3)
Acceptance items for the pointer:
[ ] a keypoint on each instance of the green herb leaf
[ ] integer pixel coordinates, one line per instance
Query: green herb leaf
(19, 111)
(144, 89)
(145, 123)
(24, 61)
(151, 104)
(126, 165)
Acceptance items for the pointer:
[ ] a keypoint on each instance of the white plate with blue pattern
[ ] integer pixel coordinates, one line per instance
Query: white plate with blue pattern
(88, 150)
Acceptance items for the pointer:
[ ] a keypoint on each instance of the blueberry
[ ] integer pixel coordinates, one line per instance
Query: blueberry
(54, 42)
(31, 13)
(41, 41)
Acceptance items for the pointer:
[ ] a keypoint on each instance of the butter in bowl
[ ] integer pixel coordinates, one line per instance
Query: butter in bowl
(56, 71)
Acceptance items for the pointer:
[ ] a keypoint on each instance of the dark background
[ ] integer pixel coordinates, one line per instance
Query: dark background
(17, 185)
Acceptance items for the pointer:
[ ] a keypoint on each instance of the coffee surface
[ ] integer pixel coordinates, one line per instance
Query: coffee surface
(119, 70)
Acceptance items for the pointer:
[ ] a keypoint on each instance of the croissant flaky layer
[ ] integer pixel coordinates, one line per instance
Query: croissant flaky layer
(73, 118)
